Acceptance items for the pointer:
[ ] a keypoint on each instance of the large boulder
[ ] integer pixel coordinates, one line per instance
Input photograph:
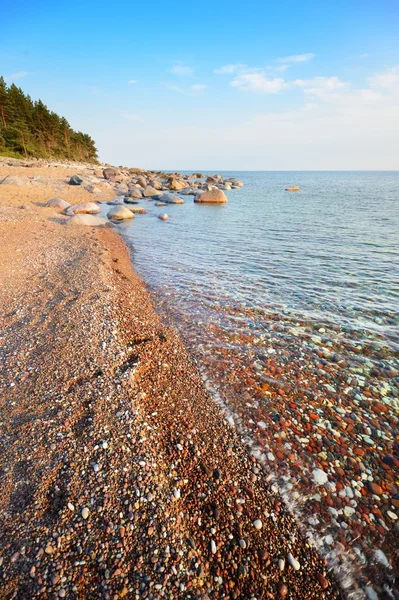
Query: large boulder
(212, 196)
(13, 180)
(121, 189)
(142, 182)
(156, 184)
(137, 210)
(171, 199)
(110, 173)
(58, 203)
(120, 213)
(176, 185)
(75, 180)
(151, 192)
(197, 175)
(135, 193)
(86, 208)
(90, 220)
(163, 217)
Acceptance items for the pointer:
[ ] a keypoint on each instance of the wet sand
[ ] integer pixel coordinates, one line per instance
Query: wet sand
(120, 476)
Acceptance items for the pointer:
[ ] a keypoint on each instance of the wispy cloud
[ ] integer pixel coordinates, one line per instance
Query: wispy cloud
(132, 117)
(16, 76)
(296, 58)
(196, 89)
(318, 86)
(233, 68)
(388, 80)
(181, 71)
(132, 81)
(258, 82)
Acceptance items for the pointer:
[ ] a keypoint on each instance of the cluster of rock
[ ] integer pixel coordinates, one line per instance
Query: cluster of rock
(161, 186)
(133, 185)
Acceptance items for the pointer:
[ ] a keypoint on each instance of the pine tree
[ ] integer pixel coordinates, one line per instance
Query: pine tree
(29, 128)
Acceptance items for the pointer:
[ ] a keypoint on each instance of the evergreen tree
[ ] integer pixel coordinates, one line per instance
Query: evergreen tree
(29, 128)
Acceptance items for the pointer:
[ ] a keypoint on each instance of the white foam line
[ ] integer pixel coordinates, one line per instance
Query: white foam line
(338, 559)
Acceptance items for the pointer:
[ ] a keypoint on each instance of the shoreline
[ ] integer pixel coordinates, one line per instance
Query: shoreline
(120, 474)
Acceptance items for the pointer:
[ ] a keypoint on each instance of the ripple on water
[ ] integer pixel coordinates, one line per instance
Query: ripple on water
(289, 305)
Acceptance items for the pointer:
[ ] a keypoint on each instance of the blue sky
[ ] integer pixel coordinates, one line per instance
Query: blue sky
(216, 85)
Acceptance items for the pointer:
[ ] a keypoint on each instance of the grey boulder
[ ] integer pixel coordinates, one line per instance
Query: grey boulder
(88, 208)
(120, 213)
(58, 203)
(90, 220)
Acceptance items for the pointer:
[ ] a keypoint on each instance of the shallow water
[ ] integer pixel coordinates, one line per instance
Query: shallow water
(289, 304)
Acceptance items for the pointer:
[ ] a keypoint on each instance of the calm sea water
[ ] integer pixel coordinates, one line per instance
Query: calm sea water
(289, 304)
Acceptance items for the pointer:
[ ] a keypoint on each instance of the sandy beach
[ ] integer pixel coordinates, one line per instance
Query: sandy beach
(120, 476)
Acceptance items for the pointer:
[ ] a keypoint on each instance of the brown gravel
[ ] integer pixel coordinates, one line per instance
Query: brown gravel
(102, 409)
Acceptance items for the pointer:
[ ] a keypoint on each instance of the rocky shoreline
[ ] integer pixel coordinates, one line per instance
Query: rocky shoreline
(120, 475)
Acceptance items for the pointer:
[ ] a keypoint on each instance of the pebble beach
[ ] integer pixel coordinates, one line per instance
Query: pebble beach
(120, 474)
(154, 449)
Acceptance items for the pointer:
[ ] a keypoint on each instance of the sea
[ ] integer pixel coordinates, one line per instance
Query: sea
(288, 303)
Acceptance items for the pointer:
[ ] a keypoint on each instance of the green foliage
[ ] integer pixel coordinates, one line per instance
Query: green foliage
(29, 128)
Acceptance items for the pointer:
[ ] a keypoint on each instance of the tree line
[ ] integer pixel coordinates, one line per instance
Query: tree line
(29, 129)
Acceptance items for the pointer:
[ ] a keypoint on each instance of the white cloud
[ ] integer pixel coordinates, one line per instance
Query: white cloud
(187, 90)
(233, 68)
(387, 80)
(16, 76)
(132, 81)
(296, 58)
(181, 70)
(318, 86)
(345, 128)
(132, 117)
(258, 82)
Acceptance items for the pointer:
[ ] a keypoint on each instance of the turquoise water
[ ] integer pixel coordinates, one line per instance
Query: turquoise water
(289, 304)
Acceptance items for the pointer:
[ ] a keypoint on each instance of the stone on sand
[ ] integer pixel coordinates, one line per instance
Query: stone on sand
(89, 220)
(87, 208)
(120, 213)
(58, 203)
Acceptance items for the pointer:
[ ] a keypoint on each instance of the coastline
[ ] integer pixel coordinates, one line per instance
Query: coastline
(103, 410)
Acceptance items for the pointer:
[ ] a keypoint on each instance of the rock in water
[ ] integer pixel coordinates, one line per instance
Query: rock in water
(110, 173)
(319, 477)
(213, 196)
(89, 220)
(88, 208)
(151, 192)
(135, 193)
(293, 188)
(137, 210)
(58, 203)
(163, 217)
(120, 213)
(176, 185)
(171, 199)
(75, 180)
